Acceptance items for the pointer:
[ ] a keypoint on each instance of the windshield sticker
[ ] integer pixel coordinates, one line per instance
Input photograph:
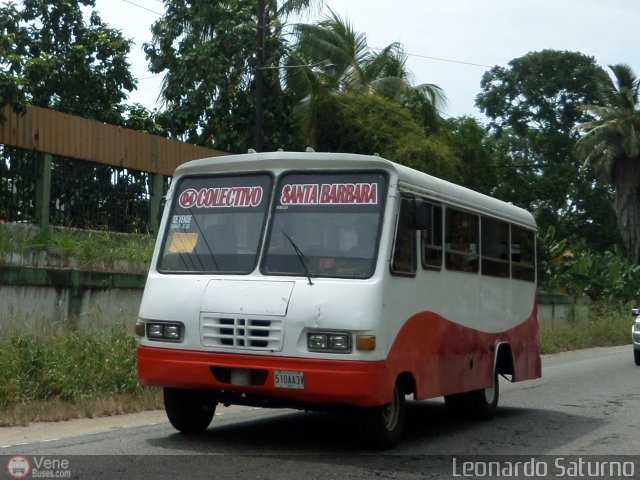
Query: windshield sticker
(182, 242)
(181, 221)
(329, 194)
(223, 197)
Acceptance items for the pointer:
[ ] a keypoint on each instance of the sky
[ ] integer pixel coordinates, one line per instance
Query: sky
(450, 43)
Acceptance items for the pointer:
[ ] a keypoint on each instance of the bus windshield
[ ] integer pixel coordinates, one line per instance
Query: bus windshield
(325, 225)
(216, 224)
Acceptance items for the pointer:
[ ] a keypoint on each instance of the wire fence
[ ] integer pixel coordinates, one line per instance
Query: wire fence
(82, 194)
(17, 184)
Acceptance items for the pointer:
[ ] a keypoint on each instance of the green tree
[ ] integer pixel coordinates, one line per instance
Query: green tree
(533, 106)
(52, 58)
(611, 145)
(355, 68)
(209, 53)
(480, 162)
(368, 124)
(59, 56)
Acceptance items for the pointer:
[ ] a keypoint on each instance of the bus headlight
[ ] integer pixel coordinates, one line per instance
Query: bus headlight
(164, 331)
(330, 342)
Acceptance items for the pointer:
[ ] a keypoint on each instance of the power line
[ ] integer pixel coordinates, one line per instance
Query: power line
(444, 114)
(449, 60)
(142, 7)
(440, 59)
(428, 57)
(150, 77)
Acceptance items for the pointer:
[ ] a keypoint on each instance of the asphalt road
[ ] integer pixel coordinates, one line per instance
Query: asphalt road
(586, 404)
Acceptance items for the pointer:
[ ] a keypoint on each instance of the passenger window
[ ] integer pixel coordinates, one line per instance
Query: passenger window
(461, 241)
(404, 257)
(495, 248)
(431, 238)
(523, 256)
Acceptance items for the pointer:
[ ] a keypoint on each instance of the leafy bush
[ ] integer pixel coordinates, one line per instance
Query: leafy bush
(609, 276)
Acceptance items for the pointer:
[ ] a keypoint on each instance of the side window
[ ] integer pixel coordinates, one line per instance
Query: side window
(523, 243)
(461, 241)
(404, 257)
(431, 238)
(495, 248)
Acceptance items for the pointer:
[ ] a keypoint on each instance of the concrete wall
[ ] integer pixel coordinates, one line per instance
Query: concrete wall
(562, 308)
(31, 297)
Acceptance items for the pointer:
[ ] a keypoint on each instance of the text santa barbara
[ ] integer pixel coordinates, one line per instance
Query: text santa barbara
(330, 194)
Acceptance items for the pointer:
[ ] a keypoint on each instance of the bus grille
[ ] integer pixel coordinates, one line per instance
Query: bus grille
(242, 333)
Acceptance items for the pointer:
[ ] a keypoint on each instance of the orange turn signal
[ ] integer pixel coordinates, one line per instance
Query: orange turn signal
(140, 329)
(366, 342)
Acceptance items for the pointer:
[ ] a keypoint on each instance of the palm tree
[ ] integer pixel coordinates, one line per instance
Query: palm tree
(611, 145)
(269, 15)
(217, 58)
(356, 68)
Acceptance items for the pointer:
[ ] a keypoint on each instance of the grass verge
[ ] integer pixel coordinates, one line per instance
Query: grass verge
(98, 250)
(55, 410)
(59, 375)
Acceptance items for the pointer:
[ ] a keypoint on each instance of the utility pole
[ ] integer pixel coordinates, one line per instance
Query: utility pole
(258, 142)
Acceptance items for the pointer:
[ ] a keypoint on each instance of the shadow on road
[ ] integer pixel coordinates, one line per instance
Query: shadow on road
(430, 429)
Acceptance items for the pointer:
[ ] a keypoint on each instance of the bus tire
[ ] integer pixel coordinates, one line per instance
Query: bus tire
(384, 425)
(484, 402)
(479, 404)
(189, 411)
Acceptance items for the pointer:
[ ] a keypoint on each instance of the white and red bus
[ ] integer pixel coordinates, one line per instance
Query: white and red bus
(315, 280)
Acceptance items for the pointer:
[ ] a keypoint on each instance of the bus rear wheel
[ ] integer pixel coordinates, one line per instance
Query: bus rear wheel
(384, 425)
(189, 411)
(479, 404)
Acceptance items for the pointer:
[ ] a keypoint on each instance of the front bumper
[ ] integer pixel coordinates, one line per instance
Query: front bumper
(363, 384)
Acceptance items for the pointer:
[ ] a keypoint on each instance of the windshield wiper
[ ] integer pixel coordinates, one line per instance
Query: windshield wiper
(206, 242)
(300, 255)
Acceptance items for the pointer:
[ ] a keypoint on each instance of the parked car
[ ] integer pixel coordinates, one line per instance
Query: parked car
(635, 334)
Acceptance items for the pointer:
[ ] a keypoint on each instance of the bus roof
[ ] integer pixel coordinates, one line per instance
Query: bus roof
(409, 180)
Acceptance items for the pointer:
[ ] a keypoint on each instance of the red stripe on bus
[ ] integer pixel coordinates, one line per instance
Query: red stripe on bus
(443, 357)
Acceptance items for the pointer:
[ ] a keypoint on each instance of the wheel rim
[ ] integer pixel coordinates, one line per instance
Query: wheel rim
(489, 394)
(391, 412)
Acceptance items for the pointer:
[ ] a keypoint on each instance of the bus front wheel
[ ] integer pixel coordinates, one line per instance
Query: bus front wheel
(384, 425)
(189, 411)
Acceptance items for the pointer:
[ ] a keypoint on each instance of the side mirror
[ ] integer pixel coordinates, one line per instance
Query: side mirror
(635, 312)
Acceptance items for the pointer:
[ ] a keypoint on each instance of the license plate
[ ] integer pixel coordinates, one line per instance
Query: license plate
(289, 379)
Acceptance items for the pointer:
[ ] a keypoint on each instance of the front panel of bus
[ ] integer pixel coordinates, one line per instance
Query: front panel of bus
(268, 265)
